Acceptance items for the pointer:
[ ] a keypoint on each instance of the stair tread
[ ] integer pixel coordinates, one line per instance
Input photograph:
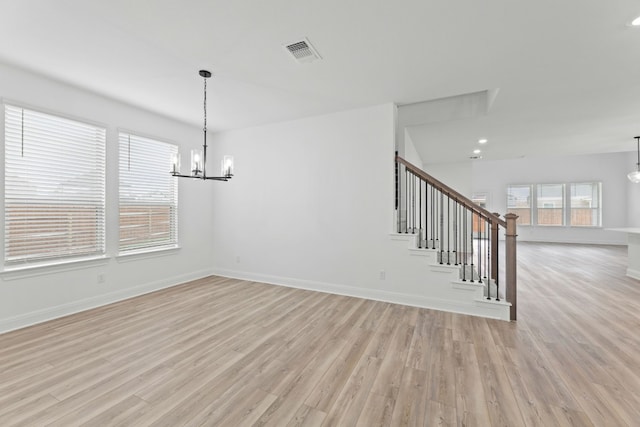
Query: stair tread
(492, 301)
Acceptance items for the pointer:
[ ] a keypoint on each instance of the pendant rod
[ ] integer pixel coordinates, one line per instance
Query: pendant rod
(205, 75)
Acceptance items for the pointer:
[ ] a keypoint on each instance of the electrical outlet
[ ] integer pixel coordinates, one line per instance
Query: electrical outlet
(102, 277)
(383, 275)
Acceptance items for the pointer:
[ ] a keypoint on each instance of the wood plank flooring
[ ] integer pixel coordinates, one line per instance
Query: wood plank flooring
(223, 352)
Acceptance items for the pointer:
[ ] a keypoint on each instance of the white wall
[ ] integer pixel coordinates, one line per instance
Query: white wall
(456, 175)
(44, 293)
(311, 202)
(410, 153)
(494, 176)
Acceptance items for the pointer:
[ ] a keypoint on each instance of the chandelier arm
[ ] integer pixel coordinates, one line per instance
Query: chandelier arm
(214, 178)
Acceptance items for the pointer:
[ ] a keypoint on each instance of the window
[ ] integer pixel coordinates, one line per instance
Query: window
(148, 194)
(550, 204)
(582, 204)
(519, 203)
(54, 187)
(479, 225)
(585, 205)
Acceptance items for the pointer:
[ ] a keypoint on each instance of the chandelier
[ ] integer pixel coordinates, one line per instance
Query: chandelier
(635, 175)
(198, 168)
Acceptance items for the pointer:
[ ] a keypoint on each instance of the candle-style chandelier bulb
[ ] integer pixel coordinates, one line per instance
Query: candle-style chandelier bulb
(196, 163)
(227, 166)
(175, 164)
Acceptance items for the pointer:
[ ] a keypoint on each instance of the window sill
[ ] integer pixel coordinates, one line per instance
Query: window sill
(26, 271)
(147, 253)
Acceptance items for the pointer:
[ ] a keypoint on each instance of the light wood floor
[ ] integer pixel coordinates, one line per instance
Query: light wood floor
(231, 353)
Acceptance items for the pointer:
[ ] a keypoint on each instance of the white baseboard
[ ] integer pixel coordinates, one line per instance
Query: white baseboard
(39, 316)
(469, 308)
(633, 273)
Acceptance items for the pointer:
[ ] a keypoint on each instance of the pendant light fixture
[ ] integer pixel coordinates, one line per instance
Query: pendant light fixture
(635, 175)
(198, 168)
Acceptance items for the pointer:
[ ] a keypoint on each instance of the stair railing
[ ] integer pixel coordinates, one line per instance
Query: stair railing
(464, 233)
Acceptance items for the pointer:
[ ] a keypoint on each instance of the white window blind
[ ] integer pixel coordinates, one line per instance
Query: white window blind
(54, 187)
(148, 194)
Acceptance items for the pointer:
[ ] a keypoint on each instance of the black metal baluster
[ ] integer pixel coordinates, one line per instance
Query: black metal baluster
(487, 236)
(461, 233)
(433, 221)
(413, 213)
(426, 207)
(479, 236)
(471, 248)
(396, 175)
(433, 212)
(437, 218)
(441, 227)
(398, 198)
(498, 275)
(420, 214)
(406, 200)
(464, 244)
(448, 229)
(455, 231)
(411, 203)
(426, 215)
(487, 246)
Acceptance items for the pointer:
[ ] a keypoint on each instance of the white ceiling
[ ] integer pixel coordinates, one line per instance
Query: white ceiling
(568, 71)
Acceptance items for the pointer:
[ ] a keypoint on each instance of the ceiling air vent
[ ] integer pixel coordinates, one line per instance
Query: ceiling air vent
(302, 51)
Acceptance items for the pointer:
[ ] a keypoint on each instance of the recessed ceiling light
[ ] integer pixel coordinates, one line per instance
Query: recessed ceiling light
(636, 22)
(477, 151)
(482, 141)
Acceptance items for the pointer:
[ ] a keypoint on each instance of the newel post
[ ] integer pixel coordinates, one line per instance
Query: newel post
(510, 267)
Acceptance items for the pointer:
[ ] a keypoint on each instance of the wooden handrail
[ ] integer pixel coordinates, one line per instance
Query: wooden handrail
(444, 188)
(508, 223)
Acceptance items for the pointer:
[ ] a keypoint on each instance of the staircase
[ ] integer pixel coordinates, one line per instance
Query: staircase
(468, 268)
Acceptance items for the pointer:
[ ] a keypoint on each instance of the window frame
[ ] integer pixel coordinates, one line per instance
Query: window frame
(47, 131)
(530, 207)
(162, 172)
(563, 205)
(598, 185)
(567, 207)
